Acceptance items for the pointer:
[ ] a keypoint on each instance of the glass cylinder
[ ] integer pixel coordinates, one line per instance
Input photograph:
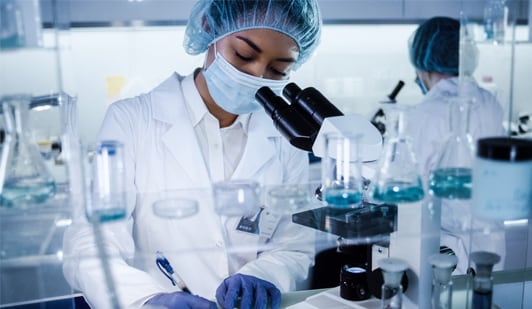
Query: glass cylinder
(397, 179)
(392, 290)
(24, 177)
(451, 177)
(341, 175)
(105, 182)
(442, 286)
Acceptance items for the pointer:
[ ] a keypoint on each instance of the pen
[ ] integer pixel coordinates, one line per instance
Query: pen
(165, 267)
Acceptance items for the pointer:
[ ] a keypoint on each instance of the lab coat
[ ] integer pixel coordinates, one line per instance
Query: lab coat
(163, 155)
(428, 126)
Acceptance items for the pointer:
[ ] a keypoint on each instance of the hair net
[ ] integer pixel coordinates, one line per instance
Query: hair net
(435, 47)
(211, 20)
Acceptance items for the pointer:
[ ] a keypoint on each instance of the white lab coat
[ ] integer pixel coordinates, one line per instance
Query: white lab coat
(162, 153)
(428, 126)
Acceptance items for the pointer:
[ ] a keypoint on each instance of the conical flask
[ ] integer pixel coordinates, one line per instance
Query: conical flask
(451, 177)
(24, 177)
(397, 179)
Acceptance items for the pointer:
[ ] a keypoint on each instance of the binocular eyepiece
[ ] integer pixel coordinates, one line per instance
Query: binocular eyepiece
(300, 116)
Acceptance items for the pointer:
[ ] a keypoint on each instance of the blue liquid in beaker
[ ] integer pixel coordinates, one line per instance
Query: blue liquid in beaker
(108, 214)
(342, 198)
(26, 191)
(451, 183)
(482, 299)
(399, 192)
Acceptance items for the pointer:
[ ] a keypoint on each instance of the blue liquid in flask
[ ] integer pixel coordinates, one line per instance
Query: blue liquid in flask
(26, 191)
(399, 192)
(451, 183)
(342, 198)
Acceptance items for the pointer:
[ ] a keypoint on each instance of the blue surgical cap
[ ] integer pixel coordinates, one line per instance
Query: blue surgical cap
(211, 20)
(435, 46)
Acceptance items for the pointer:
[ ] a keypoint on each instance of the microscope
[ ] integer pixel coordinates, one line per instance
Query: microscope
(371, 232)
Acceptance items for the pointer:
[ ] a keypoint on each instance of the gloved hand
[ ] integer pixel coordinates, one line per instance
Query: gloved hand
(254, 292)
(181, 300)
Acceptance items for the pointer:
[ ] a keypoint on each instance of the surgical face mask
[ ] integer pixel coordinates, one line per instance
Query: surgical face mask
(421, 85)
(234, 91)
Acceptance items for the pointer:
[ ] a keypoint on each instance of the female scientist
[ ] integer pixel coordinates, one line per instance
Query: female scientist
(190, 132)
(434, 52)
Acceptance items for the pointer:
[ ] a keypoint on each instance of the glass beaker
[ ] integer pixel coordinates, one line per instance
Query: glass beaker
(442, 285)
(239, 197)
(483, 280)
(24, 177)
(238, 205)
(451, 178)
(392, 290)
(397, 179)
(341, 174)
(105, 190)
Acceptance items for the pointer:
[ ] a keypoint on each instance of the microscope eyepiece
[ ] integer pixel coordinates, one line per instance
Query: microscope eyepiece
(310, 103)
(270, 101)
(299, 132)
(291, 91)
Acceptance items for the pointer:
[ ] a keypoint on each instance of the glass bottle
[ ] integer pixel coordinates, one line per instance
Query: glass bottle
(483, 280)
(24, 177)
(392, 291)
(442, 286)
(451, 178)
(397, 179)
(495, 20)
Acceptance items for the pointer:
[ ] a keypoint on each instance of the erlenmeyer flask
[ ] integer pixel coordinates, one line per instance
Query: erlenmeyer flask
(451, 178)
(24, 177)
(397, 179)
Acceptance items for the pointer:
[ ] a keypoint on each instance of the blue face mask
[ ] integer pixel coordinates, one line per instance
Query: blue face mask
(234, 91)
(421, 85)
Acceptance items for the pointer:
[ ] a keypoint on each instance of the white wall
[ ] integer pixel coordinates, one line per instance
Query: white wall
(355, 66)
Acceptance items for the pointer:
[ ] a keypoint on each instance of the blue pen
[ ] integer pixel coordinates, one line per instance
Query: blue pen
(165, 267)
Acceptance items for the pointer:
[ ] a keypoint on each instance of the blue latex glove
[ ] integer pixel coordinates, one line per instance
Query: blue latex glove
(181, 300)
(254, 293)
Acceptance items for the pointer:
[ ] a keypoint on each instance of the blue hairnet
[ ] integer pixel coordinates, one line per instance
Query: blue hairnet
(211, 20)
(435, 46)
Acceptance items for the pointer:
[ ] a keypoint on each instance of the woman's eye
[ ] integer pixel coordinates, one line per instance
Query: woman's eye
(243, 57)
(277, 72)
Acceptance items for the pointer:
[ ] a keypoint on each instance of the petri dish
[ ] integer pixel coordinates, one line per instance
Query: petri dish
(175, 208)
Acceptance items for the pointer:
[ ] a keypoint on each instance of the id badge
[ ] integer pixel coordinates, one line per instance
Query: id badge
(263, 223)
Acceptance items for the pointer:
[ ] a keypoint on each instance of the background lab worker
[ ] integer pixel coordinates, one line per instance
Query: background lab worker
(192, 131)
(434, 53)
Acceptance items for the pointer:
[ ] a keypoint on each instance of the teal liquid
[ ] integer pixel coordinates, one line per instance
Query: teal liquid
(24, 191)
(451, 183)
(399, 192)
(342, 198)
(108, 214)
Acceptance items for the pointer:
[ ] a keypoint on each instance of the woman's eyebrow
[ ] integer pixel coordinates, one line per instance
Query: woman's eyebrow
(257, 49)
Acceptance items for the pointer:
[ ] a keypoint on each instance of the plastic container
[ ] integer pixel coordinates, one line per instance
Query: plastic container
(502, 178)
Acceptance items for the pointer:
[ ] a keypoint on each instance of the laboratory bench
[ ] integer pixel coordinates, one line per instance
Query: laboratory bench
(31, 259)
